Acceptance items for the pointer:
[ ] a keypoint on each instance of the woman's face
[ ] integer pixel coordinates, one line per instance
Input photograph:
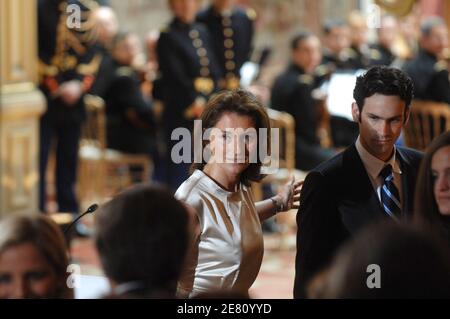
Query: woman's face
(233, 143)
(440, 170)
(25, 273)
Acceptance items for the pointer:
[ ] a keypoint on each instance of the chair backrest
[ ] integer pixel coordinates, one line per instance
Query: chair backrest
(92, 150)
(324, 126)
(94, 128)
(286, 144)
(427, 120)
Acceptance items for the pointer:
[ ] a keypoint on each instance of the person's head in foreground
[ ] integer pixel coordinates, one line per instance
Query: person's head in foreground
(142, 236)
(234, 119)
(33, 258)
(433, 185)
(387, 260)
(383, 96)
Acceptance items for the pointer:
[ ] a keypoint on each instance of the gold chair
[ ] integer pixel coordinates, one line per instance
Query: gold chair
(103, 171)
(324, 126)
(285, 123)
(286, 163)
(427, 120)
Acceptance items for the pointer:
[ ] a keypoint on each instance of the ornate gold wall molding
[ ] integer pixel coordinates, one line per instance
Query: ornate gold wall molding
(21, 105)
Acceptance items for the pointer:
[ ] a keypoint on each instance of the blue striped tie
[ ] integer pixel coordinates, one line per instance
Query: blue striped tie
(390, 198)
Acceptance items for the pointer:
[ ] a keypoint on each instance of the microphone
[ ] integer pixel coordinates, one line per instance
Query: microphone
(91, 209)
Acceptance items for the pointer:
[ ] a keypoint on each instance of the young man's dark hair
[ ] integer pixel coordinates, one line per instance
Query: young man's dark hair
(386, 81)
(142, 237)
(297, 39)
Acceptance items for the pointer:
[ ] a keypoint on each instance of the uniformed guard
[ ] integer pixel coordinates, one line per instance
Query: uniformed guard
(67, 66)
(189, 74)
(429, 73)
(381, 53)
(232, 30)
(338, 57)
(359, 49)
(106, 26)
(337, 54)
(292, 93)
(130, 121)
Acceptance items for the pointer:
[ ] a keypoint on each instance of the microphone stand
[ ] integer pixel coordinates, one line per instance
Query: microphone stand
(91, 209)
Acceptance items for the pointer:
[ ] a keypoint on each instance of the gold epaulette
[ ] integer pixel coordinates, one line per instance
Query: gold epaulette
(164, 29)
(47, 70)
(440, 66)
(251, 13)
(306, 79)
(375, 54)
(90, 4)
(321, 70)
(349, 53)
(91, 67)
(124, 71)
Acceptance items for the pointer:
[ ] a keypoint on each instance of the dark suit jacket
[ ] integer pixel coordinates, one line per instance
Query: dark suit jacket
(292, 93)
(430, 77)
(337, 201)
(241, 24)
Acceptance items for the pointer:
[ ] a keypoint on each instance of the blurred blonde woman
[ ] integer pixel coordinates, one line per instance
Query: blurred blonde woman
(33, 259)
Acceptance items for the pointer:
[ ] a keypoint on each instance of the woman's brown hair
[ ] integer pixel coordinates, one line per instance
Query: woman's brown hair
(48, 239)
(243, 103)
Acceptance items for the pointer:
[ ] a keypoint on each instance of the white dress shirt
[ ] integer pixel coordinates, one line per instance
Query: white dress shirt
(374, 166)
(228, 248)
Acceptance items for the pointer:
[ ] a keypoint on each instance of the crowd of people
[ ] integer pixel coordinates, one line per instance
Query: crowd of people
(367, 201)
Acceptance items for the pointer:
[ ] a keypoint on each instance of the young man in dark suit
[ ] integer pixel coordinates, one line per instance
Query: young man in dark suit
(369, 181)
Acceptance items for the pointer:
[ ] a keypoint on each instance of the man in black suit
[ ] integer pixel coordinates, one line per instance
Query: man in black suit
(189, 75)
(369, 181)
